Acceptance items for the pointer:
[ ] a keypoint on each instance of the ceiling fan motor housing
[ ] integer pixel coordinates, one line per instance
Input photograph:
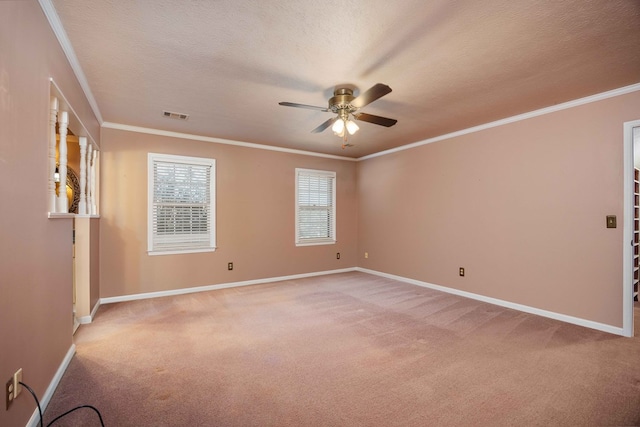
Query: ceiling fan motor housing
(341, 101)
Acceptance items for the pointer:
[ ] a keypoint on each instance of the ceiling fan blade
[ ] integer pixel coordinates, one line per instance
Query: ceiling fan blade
(382, 121)
(310, 107)
(377, 91)
(325, 125)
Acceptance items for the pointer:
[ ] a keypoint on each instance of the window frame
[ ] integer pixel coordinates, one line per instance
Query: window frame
(152, 159)
(332, 239)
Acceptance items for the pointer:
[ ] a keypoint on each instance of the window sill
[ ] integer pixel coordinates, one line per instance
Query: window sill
(316, 243)
(186, 251)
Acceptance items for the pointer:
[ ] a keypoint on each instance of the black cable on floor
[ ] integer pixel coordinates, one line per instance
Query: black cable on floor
(75, 409)
(33, 393)
(35, 397)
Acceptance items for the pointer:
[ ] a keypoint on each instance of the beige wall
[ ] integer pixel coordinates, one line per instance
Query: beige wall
(35, 252)
(255, 217)
(521, 207)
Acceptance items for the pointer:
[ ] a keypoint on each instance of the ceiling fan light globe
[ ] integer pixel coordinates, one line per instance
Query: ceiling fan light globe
(338, 126)
(352, 127)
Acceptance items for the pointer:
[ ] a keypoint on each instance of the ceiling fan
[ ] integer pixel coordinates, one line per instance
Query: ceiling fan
(346, 106)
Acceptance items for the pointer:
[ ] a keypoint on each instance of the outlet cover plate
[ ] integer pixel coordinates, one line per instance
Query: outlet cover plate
(17, 379)
(9, 392)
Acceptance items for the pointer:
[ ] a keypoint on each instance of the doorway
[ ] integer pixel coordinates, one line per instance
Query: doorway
(631, 237)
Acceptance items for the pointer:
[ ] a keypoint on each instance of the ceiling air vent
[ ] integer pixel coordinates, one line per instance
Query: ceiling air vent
(172, 115)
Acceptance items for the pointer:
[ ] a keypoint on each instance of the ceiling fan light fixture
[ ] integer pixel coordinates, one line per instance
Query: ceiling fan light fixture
(352, 127)
(338, 127)
(346, 106)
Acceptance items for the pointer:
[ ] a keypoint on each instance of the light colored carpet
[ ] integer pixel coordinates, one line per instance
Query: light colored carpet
(343, 350)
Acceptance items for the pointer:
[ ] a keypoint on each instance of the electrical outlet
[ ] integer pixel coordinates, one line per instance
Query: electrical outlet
(462, 271)
(13, 387)
(366, 254)
(230, 266)
(338, 255)
(9, 390)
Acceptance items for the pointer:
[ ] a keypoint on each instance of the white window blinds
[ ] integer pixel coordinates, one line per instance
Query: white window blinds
(315, 207)
(182, 204)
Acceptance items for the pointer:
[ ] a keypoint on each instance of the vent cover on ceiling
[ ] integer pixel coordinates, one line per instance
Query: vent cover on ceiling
(178, 116)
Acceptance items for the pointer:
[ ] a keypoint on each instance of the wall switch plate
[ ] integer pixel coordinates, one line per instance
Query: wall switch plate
(338, 255)
(612, 222)
(462, 271)
(230, 266)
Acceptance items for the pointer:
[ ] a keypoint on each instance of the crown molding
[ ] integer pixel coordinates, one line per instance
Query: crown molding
(547, 110)
(181, 135)
(54, 21)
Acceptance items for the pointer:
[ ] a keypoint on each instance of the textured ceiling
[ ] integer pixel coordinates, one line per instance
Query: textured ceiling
(451, 64)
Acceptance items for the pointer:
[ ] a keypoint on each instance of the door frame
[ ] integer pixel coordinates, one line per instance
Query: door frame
(627, 231)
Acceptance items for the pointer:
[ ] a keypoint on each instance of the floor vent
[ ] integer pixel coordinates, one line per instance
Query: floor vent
(178, 116)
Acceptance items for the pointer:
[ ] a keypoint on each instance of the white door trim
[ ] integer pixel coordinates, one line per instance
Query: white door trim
(627, 231)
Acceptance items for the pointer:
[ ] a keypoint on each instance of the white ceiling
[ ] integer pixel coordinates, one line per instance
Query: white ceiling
(451, 64)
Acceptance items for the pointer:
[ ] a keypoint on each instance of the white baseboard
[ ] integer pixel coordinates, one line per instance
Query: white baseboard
(34, 421)
(88, 319)
(524, 308)
(95, 309)
(520, 307)
(147, 295)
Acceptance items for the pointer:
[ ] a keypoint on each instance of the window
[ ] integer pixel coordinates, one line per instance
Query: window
(315, 207)
(181, 211)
